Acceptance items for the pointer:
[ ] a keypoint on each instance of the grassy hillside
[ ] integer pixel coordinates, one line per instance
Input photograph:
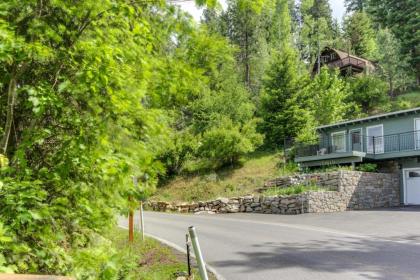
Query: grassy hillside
(251, 174)
(410, 100)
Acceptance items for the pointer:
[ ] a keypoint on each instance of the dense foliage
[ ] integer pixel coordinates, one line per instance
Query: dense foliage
(95, 92)
(90, 95)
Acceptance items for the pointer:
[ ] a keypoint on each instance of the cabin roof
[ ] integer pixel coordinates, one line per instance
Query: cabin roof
(346, 58)
(343, 54)
(371, 118)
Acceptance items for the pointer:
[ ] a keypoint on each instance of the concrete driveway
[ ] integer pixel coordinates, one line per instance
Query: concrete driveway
(376, 244)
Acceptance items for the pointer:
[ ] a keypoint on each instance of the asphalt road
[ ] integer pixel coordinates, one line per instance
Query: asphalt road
(382, 244)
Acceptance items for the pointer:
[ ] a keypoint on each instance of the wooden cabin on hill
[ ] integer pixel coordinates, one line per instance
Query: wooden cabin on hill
(347, 63)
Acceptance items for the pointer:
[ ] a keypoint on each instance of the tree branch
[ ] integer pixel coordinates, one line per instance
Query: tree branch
(11, 99)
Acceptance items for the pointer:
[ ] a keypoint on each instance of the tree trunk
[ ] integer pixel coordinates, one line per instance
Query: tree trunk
(247, 66)
(391, 86)
(11, 99)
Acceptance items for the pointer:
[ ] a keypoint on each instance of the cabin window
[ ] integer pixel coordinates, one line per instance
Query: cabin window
(375, 139)
(356, 140)
(338, 141)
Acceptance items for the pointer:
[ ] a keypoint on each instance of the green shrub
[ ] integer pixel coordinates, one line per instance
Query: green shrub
(182, 147)
(301, 188)
(288, 168)
(367, 167)
(329, 168)
(227, 142)
(102, 261)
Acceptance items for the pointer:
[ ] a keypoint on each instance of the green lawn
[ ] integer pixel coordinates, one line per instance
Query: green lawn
(255, 169)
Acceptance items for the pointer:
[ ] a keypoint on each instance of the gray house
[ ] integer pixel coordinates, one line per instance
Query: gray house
(390, 140)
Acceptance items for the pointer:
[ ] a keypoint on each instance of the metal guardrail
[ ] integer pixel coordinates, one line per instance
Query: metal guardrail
(344, 143)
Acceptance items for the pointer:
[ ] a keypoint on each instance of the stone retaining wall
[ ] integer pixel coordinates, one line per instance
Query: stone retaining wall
(294, 204)
(364, 190)
(329, 179)
(350, 190)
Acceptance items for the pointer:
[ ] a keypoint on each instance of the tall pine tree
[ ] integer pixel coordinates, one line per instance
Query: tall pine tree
(360, 34)
(355, 5)
(283, 108)
(402, 18)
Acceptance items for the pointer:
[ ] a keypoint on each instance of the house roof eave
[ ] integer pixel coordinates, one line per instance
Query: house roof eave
(370, 118)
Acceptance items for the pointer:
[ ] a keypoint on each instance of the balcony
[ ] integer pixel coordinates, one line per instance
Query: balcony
(355, 146)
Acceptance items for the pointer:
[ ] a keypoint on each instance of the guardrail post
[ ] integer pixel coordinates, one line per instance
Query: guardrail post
(130, 222)
(187, 243)
(197, 252)
(141, 221)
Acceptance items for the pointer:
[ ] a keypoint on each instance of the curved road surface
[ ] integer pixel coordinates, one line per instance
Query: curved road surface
(380, 244)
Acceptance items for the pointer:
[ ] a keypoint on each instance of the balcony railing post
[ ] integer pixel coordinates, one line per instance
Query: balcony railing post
(374, 144)
(399, 142)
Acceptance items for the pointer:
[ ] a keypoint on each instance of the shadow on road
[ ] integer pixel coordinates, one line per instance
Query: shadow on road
(368, 258)
(406, 208)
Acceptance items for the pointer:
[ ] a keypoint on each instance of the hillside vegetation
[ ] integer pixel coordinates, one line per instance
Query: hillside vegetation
(94, 94)
(245, 178)
(407, 100)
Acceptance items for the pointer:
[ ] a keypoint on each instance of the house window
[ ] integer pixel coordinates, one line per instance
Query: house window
(356, 141)
(375, 139)
(338, 141)
(413, 174)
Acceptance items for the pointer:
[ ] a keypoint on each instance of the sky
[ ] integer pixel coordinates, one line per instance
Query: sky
(337, 7)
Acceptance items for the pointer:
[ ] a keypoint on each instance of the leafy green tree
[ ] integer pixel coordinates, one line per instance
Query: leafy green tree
(355, 5)
(393, 65)
(369, 92)
(360, 34)
(226, 112)
(226, 143)
(321, 9)
(283, 106)
(257, 28)
(280, 26)
(329, 94)
(316, 29)
(401, 18)
(198, 89)
(76, 124)
(242, 20)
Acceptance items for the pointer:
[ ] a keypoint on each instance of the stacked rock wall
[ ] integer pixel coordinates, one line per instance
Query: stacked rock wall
(364, 190)
(294, 204)
(344, 190)
(329, 180)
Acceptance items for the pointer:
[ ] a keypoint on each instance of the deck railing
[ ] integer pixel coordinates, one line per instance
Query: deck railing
(348, 61)
(345, 143)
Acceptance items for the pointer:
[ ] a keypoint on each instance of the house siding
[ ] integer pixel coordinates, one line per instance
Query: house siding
(392, 125)
(399, 150)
